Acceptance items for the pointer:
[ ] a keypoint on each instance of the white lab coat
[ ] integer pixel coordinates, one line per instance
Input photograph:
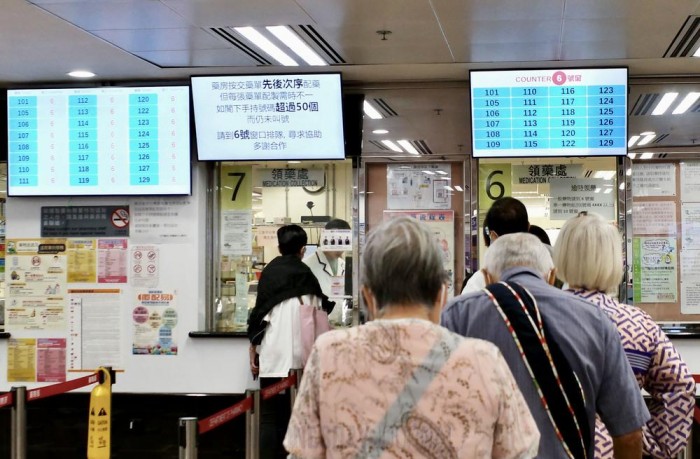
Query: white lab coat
(321, 268)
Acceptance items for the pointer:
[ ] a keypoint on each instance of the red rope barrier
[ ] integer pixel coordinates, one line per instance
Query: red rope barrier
(225, 415)
(276, 388)
(6, 399)
(60, 388)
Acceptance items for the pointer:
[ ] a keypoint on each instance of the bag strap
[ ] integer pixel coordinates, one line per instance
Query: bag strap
(399, 412)
(560, 391)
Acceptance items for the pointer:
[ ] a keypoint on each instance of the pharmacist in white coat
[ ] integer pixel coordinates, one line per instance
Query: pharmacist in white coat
(329, 266)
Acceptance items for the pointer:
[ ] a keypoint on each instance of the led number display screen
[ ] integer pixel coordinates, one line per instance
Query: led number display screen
(271, 117)
(567, 112)
(99, 141)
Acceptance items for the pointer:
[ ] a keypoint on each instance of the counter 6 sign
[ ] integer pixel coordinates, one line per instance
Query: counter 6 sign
(494, 183)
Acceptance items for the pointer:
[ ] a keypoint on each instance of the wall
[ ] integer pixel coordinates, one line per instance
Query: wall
(201, 365)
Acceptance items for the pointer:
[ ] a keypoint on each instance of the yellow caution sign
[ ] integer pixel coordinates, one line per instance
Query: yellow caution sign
(99, 427)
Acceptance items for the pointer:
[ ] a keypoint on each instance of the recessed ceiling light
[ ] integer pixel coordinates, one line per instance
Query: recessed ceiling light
(622, 185)
(371, 111)
(458, 188)
(647, 155)
(429, 172)
(392, 146)
(664, 103)
(629, 171)
(81, 74)
(607, 191)
(266, 45)
(686, 103)
(441, 172)
(696, 53)
(408, 147)
(449, 188)
(647, 138)
(632, 141)
(296, 44)
(606, 175)
(380, 131)
(293, 162)
(632, 155)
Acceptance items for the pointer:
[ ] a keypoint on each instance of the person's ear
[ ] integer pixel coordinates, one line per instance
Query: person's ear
(493, 236)
(370, 301)
(552, 277)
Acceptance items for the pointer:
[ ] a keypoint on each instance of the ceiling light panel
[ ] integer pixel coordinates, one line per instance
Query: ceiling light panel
(392, 146)
(686, 103)
(665, 103)
(371, 111)
(296, 44)
(408, 147)
(266, 45)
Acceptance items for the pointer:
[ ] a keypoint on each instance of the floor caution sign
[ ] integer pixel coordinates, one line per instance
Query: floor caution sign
(99, 427)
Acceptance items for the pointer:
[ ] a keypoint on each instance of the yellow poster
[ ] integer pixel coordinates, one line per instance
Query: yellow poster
(236, 191)
(82, 260)
(21, 360)
(494, 183)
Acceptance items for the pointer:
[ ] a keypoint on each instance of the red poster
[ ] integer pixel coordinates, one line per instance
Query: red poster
(51, 360)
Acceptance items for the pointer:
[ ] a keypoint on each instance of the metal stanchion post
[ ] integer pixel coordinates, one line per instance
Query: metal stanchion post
(187, 438)
(18, 449)
(252, 426)
(295, 388)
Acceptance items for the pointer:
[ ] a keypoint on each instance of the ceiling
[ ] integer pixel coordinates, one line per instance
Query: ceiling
(419, 69)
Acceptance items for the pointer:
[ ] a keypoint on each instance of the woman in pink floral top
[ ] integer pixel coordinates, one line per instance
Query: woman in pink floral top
(587, 255)
(402, 386)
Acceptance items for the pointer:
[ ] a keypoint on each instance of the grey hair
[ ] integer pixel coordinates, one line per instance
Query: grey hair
(515, 250)
(402, 264)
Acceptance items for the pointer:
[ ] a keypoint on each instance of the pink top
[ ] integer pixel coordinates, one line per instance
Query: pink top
(659, 370)
(408, 388)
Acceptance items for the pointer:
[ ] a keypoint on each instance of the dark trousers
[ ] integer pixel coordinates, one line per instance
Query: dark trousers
(274, 417)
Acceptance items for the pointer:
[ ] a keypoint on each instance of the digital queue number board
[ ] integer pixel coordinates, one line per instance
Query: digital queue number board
(553, 112)
(99, 141)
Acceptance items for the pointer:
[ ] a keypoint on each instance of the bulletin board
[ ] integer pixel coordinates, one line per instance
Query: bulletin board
(129, 302)
(665, 240)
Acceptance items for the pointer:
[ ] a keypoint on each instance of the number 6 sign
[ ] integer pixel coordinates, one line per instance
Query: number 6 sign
(494, 183)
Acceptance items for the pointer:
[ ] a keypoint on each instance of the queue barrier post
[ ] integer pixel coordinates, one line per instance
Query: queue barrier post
(294, 390)
(252, 423)
(187, 438)
(18, 448)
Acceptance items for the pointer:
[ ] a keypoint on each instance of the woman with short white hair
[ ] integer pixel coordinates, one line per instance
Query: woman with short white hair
(401, 385)
(588, 257)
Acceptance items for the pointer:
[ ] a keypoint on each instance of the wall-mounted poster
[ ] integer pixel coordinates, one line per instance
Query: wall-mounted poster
(442, 225)
(571, 196)
(418, 186)
(650, 179)
(655, 270)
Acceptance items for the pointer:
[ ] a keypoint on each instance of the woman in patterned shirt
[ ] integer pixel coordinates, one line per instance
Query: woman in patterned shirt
(588, 254)
(402, 386)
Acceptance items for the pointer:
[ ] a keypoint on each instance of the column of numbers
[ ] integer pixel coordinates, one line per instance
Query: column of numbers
(530, 112)
(607, 111)
(23, 144)
(568, 123)
(82, 140)
(143, 139)
(492, 123)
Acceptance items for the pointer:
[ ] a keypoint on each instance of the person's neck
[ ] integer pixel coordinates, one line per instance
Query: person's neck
(412, 311)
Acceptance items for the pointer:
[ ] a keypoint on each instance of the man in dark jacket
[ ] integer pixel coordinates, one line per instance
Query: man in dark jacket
(273, 329)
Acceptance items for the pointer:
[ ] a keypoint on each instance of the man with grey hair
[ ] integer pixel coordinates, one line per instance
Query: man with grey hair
(566, 355)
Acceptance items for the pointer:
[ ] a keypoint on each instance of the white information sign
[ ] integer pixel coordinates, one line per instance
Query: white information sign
(690, 281)
(288, 177)
(544, 173)
(690, 224)
(690, 181)
(274, 117)
(236, 232)
(654, 217)
(162, 220)
(572, 196)
(650, 179)
(418, 186)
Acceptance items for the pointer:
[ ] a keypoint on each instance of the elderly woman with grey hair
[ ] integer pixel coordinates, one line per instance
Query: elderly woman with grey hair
(588, 256)
(401, 385)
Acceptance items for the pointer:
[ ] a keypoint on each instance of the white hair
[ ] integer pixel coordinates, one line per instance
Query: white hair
(588, 253)
(517, 250)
